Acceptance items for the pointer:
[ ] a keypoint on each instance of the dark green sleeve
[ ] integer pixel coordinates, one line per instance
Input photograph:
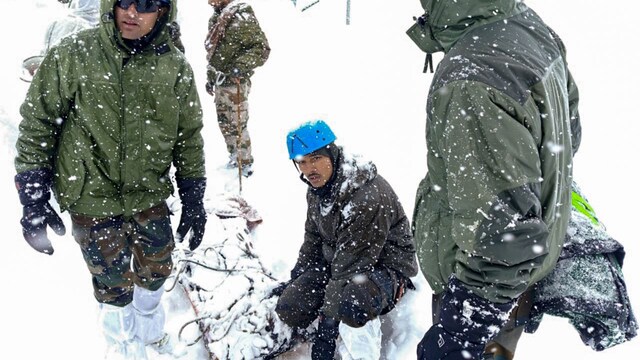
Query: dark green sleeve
(188, 153)
(492, 171)
(43, 112)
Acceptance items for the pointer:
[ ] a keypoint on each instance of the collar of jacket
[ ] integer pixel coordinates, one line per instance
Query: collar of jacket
(448, 20)
(351, 173)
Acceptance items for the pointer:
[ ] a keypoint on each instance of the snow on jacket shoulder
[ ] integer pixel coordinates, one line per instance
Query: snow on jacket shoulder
(501, 131)
(360, 225)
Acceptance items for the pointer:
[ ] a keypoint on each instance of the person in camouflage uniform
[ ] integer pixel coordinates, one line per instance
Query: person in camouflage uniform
(108, 113)
(358, 252)
(235, 46)
(502, 128)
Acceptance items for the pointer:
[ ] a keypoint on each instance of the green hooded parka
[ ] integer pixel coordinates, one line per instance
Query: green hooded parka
(502, 128)
(110, 121)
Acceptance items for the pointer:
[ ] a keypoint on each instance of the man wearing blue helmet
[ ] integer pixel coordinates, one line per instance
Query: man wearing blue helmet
(358, 252)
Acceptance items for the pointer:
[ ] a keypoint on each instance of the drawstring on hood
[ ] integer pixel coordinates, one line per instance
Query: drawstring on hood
(444, 22)
(422, 34)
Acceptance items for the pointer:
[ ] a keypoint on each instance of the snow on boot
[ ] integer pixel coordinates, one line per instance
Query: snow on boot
(170, 346)
(361, 343)
(150, 320)
(118, 325)
(149, 314)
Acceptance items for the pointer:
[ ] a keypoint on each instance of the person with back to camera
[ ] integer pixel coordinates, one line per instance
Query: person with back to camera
(492, 212)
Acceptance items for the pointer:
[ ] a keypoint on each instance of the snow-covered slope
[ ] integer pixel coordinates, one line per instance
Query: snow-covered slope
(364, 79)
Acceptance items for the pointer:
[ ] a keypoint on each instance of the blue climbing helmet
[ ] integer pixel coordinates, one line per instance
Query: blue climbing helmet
(308, 138)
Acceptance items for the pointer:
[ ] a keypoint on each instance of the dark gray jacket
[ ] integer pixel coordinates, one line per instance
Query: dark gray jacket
(359, 225)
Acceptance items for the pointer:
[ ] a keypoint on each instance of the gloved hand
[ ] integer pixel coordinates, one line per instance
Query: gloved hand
(210, 87)
(279, 289)
(466, 324)
(37, 213)
(193, 217)
(324, 344)
(236, 75)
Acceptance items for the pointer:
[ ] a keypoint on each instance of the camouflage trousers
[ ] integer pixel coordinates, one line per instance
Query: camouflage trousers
(121, 251)
(227, 103)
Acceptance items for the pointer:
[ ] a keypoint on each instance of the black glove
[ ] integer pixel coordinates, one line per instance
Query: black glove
(236, 75)
(193, 217)
(37, 213)
(467, 322)
(324, 344)
(279, 289)
(210, 87)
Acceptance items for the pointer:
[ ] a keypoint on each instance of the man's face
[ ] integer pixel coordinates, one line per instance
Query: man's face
(317, 169)
(133, 24)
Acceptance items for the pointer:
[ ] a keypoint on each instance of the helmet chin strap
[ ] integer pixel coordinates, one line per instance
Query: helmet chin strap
(304, 179)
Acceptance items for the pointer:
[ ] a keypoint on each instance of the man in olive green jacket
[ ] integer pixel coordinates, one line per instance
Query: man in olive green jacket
(108, 113)
(502, 128)
(358, 253)
(235, 45)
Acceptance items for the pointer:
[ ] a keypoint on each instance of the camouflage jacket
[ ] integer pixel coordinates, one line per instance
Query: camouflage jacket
(110, 122)
(243, 47)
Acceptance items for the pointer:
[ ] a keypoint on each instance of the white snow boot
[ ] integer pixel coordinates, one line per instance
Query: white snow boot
(118, 325)
(361, 343)
(150, 320)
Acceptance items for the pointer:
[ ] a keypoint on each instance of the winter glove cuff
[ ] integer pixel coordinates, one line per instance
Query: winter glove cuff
(191, 190)
(194, 216)
(475, 318)
(37, 213)
(33, 186)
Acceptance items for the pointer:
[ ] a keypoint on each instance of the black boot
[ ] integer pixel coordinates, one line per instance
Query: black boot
(324, 344)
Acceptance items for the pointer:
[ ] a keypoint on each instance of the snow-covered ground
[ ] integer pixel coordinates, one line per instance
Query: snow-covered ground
(365, 80)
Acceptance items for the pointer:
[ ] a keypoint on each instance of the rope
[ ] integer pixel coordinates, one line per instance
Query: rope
(238, 135)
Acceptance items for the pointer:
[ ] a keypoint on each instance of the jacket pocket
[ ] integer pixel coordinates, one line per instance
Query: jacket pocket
(69, 182)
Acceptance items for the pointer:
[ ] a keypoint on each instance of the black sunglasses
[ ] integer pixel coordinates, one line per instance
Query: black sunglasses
(142, 6)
